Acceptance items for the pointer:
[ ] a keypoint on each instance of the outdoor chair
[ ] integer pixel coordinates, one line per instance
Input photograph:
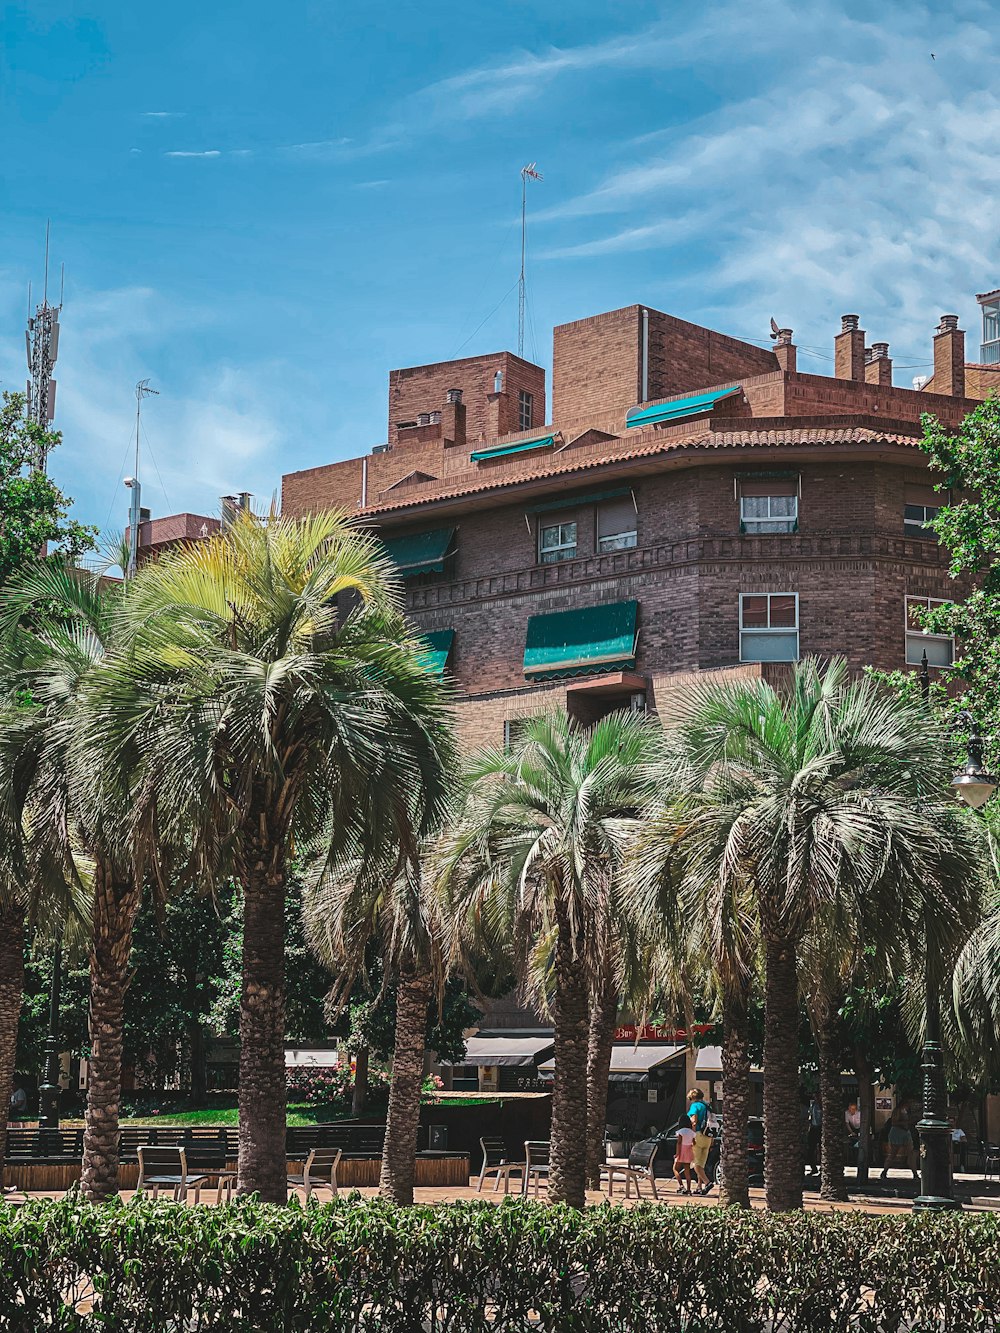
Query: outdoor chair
(991, 1160)
(495, 1164)
(320, 1171)
(640, 1166)
(207, 1155)
(162, 1168)
(536, 1164)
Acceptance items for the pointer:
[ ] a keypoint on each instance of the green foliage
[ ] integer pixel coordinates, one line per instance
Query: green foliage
(33, 508)
(968, 462)
(359, 1266)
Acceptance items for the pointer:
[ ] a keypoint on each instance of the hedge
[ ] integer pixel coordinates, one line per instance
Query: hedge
(365, 1265)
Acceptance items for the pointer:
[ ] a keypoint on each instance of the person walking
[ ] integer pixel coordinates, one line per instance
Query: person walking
(899, 1150)
(698, 1117)
(683, 1155)
(814, 1134)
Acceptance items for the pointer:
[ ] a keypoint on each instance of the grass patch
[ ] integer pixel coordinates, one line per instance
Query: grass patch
(298, 1114)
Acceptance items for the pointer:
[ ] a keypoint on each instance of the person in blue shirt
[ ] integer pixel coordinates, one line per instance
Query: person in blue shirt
(698, 1116)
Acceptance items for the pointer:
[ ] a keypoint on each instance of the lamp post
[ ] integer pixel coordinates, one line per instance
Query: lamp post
(48, 1093)
(973, 785)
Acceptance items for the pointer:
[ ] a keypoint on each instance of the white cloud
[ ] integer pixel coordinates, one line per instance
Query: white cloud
(162, 115)
(208, 152)
(846, 170)
(225, 428)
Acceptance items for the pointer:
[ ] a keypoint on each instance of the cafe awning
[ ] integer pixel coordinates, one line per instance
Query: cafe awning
(488, 1048)
(632, 1064)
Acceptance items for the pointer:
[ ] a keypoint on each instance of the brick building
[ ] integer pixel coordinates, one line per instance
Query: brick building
(695, 503)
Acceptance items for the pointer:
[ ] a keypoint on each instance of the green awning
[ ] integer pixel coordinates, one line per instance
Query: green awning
(587, 638)
(678, 408)
(421, 553)
(591, 497)
(438, 642)
(518, 447)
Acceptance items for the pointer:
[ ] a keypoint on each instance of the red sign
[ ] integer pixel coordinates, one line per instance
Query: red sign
(651, 1032)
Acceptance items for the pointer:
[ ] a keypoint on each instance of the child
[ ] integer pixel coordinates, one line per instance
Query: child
(683, 1155)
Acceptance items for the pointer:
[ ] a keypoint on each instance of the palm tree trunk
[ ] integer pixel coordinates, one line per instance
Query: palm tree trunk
(116, 903)
(603, 1020)
(359, 1094)
(831, 1098)
(735, 1189)
(263, 1168)
(863, 1069)
(399, 1154)
(11, 995)
(568, 1150)
(782, 1132)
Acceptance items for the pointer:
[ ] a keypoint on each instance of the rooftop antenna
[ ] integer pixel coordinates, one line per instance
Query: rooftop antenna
(526, 173)
(42, 346)
(142, 390)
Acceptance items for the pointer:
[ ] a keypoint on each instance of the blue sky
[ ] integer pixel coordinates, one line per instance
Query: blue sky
(263, 208)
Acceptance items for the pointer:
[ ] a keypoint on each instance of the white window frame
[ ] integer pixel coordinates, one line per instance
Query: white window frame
(553, 555)
(614, 541)
(525, 409)
(920, 638)
(786, 630)
(755, 524)
(917, 528)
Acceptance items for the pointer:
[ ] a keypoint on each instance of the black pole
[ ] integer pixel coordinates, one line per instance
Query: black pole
(937, 1191)
(48, 1093)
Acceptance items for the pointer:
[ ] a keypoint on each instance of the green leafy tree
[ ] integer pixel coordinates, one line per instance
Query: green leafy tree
(967, 463)
(33, 510)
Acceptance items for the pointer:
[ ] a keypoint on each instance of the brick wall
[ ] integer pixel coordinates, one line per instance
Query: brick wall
(417, 389)
(597, 362)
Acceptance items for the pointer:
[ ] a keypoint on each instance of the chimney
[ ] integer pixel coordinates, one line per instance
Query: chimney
(453, 420)
(949, 358)
(849, 350)
(498, 413)
(784, 350)
(878, 366)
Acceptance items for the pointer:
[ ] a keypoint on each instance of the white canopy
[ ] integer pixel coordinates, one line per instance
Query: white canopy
(495, 1048)
(631, 1064)
(304, 1058)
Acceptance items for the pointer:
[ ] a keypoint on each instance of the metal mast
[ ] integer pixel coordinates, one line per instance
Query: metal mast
(526, 172)
(42, 345)
(142, 390)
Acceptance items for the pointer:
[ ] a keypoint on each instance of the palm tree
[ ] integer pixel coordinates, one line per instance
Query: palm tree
(56, 627)
(535, 843)
(816, 795)
(710, 936)
(346, 909)
(273, 695)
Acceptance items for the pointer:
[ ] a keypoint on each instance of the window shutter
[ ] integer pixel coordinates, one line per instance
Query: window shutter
(769, 485)
(925, 495)
(615, 516)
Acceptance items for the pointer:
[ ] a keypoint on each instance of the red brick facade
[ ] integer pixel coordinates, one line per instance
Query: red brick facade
(845, 446)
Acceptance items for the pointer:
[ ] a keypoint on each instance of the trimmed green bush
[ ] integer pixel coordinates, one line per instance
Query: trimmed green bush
(364, 1265)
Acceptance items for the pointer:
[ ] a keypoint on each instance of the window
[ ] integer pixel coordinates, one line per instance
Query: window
(921, 505)
(769, 627)
(990, 350)
(515, 730)
(556, 541)
(616, 525)
(769, 504)
(940, 648)
(525, 409)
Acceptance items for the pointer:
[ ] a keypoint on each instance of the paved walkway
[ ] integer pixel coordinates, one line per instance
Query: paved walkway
(893, 1197)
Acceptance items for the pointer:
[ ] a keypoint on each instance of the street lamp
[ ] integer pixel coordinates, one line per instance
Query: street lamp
(48, 1093)
(973, 785)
